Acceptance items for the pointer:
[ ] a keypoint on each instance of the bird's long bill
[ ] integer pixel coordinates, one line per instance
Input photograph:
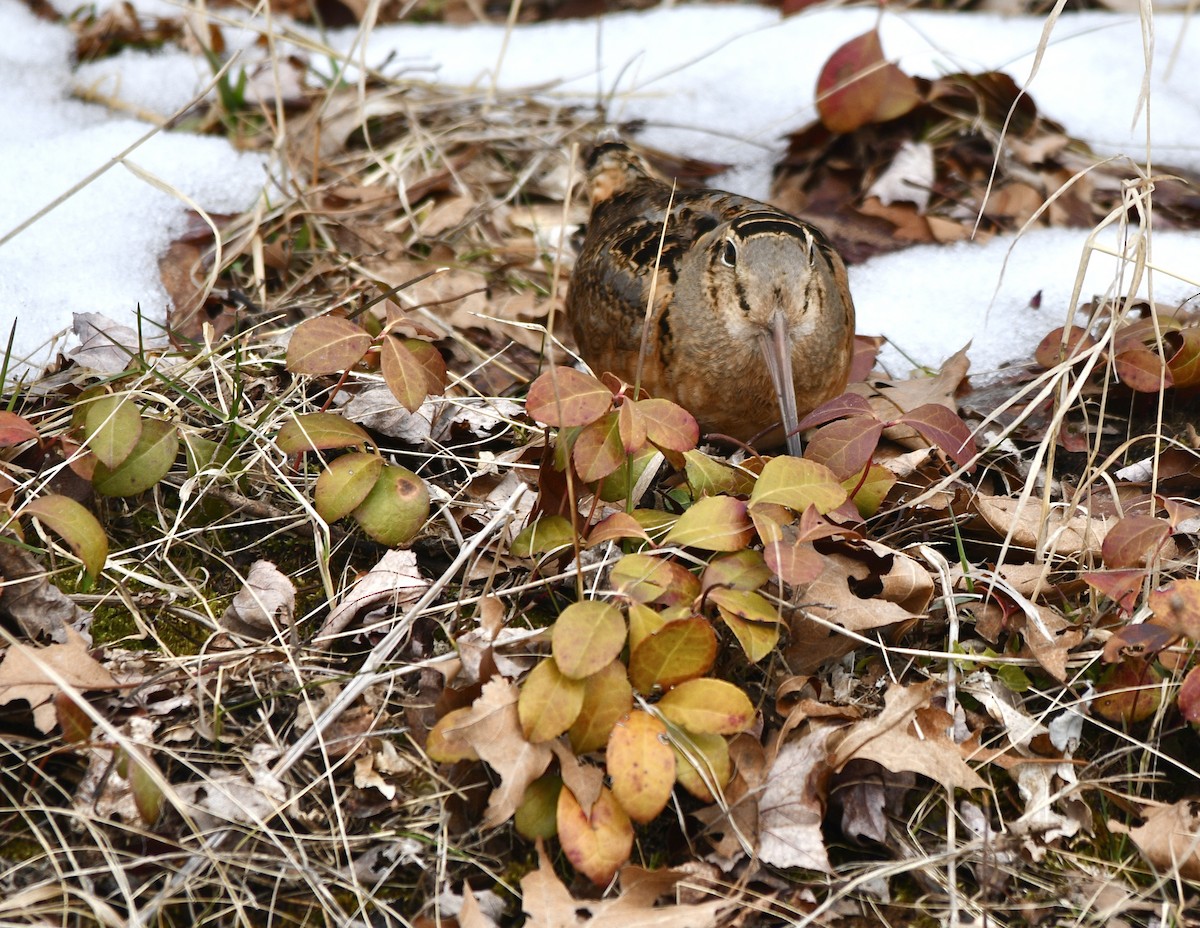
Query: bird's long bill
(776, 347)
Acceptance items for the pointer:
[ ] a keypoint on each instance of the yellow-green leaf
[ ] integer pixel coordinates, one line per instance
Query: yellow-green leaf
(708, 706)
(345, 483)
(395, 508)
(113, 426)
(319, 431)
(549, 702)
(714, 523)
(797, 484)
(76, 526)
(607, 697)
(142, 468)
(679, 651)
(587, 636)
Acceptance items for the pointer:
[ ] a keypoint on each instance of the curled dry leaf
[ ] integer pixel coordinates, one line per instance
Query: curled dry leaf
(547, 903)
(864, 587)
(908, 734)
(791, 806)
(39, 607)
(394, 582)
(265, 605)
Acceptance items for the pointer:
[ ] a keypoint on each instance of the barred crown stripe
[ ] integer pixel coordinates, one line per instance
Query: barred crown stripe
(763, 224)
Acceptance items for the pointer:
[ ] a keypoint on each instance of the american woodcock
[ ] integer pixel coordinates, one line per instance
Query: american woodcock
(736, 311)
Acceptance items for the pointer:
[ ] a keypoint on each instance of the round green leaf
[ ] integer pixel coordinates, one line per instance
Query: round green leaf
(345, 483)
(395, 508)
(113, 426)
(143, 467)
(319, 431)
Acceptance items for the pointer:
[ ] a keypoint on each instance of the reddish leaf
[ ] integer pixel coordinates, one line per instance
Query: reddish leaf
(1133, 541)
(848, 404)
(1189, 696)
(597, 840)
(846, 446)
(1184, 364)
(1128, 693)
(646, 579)
(15, 430)
(431, 360)
(794, 562)
(632, 425)
(739, 570)
(616, 527)
(669, 426)
(1121, 586)
(1142, 370)
(598, 451)
(564, 396)
(1053, 351)
(856, 86)
(940, 426)
(1176, 607)
(326, 345)
(404, 374)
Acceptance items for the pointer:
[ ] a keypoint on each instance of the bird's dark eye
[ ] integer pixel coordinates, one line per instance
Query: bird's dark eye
(729, 254)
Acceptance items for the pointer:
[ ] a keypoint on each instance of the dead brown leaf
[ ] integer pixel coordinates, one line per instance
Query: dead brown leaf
(265, 605)
(38, 607)
(791, 806)
(1169, 838)
(909, 734)
(863, 588)
(549, 904)
(492, 728)
(23, 675)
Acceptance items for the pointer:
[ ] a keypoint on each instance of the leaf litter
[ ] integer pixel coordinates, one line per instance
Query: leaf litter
(812, 702)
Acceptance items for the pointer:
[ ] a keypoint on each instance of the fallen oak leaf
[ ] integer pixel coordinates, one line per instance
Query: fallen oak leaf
(909, 734)
(547, 903)
(23, 675)
(492, 728)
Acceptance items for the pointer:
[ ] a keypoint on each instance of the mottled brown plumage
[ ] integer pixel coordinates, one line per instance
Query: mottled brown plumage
(751, 322)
